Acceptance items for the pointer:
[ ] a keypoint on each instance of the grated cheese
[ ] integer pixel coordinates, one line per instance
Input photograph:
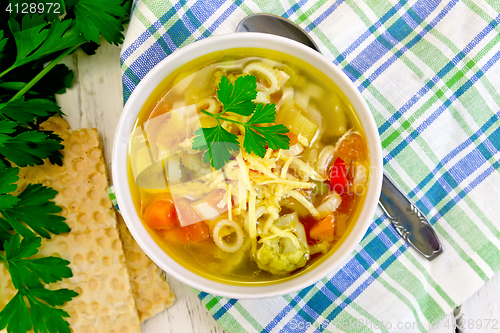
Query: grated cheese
(281, 233)
(229, 202)
(294, 184)
(252, 220)
(243, 169)
(242, 195)
(284, 171)
(268, 154)
(259, 184)
(307, 170)
(273, 215)
(259, 167)
(303, 140)
(243, 182)
(302, 200)
(223, 201)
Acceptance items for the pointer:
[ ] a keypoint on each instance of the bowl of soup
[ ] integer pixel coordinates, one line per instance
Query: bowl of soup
(247, 165)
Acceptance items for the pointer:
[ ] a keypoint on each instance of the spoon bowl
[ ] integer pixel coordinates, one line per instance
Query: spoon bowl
(276, 25)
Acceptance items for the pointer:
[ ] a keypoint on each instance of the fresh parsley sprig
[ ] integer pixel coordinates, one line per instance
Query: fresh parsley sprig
(34, 207)
(31, 47)
(259, 133)
(96, 17)
(40, 36)
(20, 141)
(34, 39)
(33, 305)
(26, 147)
(26, 112)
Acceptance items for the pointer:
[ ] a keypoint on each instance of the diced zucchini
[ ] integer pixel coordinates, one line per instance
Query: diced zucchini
(336, 117)
(291, 116)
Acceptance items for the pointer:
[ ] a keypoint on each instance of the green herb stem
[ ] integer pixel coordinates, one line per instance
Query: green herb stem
(4, 260)
(216, 116)
(232, 121)
(39, 76)
(7, 70)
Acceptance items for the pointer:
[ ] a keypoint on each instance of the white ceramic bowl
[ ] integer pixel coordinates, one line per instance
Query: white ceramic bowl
(198, 49)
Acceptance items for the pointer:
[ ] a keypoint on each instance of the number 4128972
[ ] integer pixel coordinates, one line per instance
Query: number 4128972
(32, 8)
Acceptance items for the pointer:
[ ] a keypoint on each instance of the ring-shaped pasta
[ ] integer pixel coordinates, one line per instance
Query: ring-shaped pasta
(219, 239)
(324, 159)
(207, 101)
(266, 70)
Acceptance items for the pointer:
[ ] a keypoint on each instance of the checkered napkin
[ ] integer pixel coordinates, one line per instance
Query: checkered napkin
(430, 74)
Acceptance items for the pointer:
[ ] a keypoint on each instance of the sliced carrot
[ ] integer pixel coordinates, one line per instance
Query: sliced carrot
(324, 230)
(161, 214)
(194, 229)
(293, 138)
(353, 147)
(196, 232)
(188, 234)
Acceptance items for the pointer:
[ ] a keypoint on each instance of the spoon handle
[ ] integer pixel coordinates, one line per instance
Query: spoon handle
(409, 221)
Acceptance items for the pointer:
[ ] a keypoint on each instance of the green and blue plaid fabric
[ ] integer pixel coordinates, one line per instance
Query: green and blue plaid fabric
(430, 73)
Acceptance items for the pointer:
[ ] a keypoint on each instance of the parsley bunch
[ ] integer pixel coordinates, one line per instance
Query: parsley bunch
(31, 47)
(218, 143)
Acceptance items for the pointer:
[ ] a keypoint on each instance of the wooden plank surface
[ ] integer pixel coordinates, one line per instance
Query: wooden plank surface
(95, 100)
(481, 312)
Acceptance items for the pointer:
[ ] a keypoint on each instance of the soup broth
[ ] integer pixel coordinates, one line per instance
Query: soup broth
(258, 220)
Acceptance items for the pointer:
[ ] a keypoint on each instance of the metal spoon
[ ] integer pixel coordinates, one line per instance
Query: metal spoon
(409, 221)
(276, 25)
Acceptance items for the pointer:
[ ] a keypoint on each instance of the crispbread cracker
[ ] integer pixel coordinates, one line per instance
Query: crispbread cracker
(152, 293)
(105, 302)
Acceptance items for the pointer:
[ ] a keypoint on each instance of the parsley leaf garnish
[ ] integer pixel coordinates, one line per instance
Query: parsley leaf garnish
(32, 272)
(274, 135)
(8, 176)
(16, 315)
(215, 140)
(34, 40)
(96, 17)
(27, 147)
(28, 275)
(238, 98)
(25, 112)
(3, 41)
(38, 36)
(218, 143)
(35, 208)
